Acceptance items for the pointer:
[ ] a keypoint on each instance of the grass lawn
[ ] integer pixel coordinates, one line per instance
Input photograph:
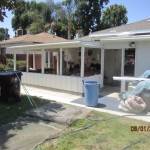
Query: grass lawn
(109, 132)
(9, 113)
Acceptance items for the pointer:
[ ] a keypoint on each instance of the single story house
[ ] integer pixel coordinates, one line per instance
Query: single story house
(26, 40)
(117, 51)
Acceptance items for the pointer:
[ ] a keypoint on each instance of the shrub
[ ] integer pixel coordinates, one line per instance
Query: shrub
(2, 67)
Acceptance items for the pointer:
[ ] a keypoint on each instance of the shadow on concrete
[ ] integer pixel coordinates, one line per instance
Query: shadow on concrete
(26, 132)
(111, 104)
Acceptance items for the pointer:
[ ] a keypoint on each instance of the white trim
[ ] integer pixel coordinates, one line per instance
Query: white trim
(122, 61)
(51, 46)
(82, 61)
(27, 60)
(42, 61)
(113, 33)
(58, 62)
(102, 64)
(61, 55)
(33, 60)
(14, 60)
(130, 38)
(49, 59)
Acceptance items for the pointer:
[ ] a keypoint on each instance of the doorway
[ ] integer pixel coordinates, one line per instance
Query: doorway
(112, 65)
(129, 65)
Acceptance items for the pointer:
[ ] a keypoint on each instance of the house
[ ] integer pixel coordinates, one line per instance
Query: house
(117, 51)
(26, 40)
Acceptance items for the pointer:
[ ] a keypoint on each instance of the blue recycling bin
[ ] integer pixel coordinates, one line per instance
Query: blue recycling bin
(91, 93)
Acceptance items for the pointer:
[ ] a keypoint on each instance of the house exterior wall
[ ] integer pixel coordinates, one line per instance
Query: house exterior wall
(67, 83)
(142, 57)
(142, 54)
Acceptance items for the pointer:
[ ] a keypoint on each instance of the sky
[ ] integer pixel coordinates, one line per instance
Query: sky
(137, 10)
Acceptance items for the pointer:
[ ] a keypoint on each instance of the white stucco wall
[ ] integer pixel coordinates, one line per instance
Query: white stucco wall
(142, 53)
(142, 57)
(67, 83)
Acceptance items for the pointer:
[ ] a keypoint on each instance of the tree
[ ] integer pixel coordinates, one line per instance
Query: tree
(31, 15)
(69, 13)
(58, 25)
(4, 34)
(6, 4)
(88, 14)
(20, 19)
(115, 15)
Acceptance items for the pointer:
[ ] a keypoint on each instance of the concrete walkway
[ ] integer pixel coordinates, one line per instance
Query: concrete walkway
(38, 124)
(111, 101)
(50, 119)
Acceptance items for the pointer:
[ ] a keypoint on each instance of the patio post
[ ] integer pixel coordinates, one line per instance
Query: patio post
(122, 61)
(60, 61)
(123, 83)
(82, 61)
(14, 60)
(102, 64)
(33, 60)
(49, 59)
(27, 60)
(43, 61)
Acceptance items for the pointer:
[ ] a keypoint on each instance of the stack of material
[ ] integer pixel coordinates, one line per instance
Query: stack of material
(133, 104)
(138, 100)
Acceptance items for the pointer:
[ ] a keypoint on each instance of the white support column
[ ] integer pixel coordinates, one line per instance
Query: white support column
(61, 55)
(49, 59)
(82, 61)
(102, 64)
(14, 60)
(33, 60)
(123, 83)
(42, 61)
(27, 60)
(122, 61)
(58, 62)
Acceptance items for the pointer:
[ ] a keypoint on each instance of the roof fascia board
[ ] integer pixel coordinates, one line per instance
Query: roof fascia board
(93, 44)
(48, 46)
(15, 42)
(131, 38)
(127, 33)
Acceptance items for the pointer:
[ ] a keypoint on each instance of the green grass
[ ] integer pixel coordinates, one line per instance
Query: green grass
(9, 113)
(113, 134)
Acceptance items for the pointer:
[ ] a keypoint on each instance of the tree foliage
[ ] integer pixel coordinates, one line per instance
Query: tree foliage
(68, 16)
(88, 14)
(115, 15)
(6, 5)
(31, 15)
(4, 34)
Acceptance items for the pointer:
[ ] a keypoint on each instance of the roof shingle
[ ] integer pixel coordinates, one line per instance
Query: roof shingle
(37, 38)
(136, 26)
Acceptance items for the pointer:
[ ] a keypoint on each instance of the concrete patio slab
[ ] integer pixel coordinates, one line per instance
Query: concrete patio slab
(60, 113)
(109, 96)
(26, 133)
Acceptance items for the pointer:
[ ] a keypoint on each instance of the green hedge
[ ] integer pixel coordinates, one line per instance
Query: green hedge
(10, 64)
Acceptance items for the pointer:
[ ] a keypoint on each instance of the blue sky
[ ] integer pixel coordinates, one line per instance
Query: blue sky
(137, 10)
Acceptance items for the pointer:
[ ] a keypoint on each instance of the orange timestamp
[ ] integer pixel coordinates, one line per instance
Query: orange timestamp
(140, 128)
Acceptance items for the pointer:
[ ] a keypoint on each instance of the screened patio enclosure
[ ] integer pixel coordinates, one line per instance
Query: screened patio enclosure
(62, 65)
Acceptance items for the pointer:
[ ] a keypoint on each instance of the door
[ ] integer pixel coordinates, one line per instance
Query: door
(129, 62)
(112, 65)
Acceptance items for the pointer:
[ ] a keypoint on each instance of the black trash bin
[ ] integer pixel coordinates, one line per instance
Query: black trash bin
(10, 86)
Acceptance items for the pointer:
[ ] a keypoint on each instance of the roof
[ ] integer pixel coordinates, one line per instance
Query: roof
(52, 46)
(37, 38)
(136, 26)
